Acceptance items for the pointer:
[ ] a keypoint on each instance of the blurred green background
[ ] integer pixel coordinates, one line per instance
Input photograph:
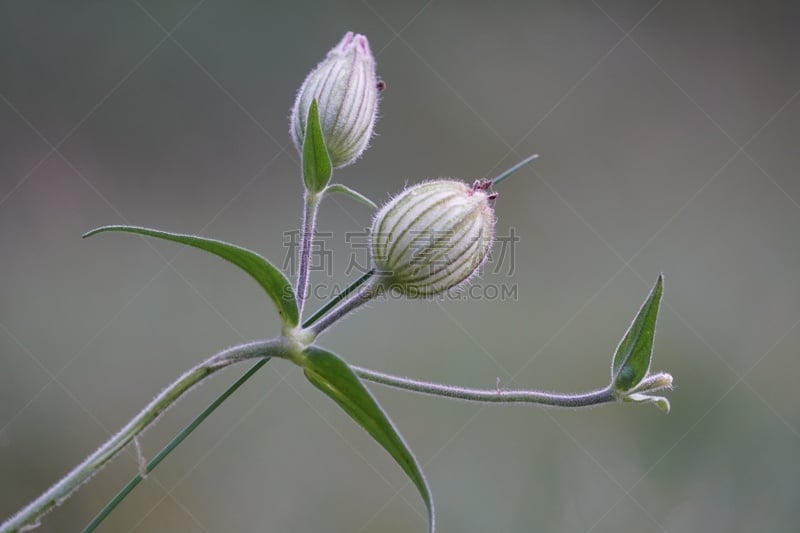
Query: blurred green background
(668, 140)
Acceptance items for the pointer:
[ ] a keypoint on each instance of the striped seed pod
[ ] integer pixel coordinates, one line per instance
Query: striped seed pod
(433, 236)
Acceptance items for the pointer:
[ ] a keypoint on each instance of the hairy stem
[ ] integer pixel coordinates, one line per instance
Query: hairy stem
(166, 450)
(497, 395)
(310, 208)
(180, 437)
(339, 297)
(29, 516)
(364, 294)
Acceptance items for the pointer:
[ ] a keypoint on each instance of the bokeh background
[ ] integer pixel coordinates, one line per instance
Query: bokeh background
(667, 132)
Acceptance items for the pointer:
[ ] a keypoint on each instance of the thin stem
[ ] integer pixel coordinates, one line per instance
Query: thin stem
(364, 294)
(60, 491)
(180, 437)
(339, 297)
(507, 173)
(586, 399)
(310, 208)
(166, 450)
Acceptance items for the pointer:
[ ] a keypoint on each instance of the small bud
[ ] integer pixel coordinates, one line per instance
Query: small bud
(346, 89)
(654, 382)
(433, 236)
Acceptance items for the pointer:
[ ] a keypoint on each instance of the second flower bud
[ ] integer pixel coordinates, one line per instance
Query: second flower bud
(346, 89)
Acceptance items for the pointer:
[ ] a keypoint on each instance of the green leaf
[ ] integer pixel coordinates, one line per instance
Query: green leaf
(635, 350)
(333, 376)
(268, 276)
(659, 401)
(343, 189)
(317, 168)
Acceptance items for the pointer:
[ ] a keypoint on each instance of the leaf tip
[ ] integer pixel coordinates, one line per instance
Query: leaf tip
(663, 404)
(343, 189)
(660, 402)
(316, 160)
(95, 231)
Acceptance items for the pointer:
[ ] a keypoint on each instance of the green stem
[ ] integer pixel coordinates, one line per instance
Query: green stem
(180, 437)
(355, 300)
(341, 296)
(497, 395)
(507, 173)
(310, 208)
(60, 491)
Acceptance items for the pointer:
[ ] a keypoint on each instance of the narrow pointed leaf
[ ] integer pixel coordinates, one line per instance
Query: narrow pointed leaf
(334, 377)
(268, 276)
(317, 168)
(343, 189)
(635, 350)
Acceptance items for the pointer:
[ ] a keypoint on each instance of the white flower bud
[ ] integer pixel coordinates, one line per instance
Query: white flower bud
(433, 236)
(346, 89)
